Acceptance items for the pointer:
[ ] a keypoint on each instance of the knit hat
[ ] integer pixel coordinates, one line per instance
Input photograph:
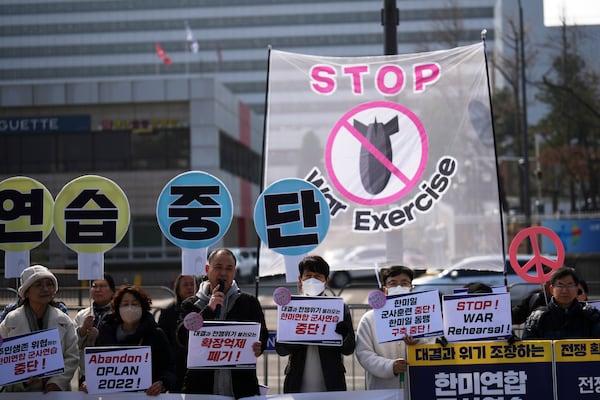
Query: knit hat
(32, 274)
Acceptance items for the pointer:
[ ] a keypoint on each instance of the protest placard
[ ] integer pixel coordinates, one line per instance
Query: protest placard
(310, 320)
(577, 363)
(223, 344)
(118, 369)
(477, 316)
(35, 354)
(416, 314)
(481, 370)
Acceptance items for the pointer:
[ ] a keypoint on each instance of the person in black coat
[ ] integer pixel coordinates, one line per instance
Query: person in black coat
(313, 368)
(132, 324)
(536, 299)
(223, 303)
(564, 317)
(184, 286)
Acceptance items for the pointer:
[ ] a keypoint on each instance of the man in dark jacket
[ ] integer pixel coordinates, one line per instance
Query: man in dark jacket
(564, 317)
(313, 368)
(223, 303)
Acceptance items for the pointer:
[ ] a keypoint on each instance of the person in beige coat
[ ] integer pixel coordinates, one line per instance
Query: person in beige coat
(35, 313)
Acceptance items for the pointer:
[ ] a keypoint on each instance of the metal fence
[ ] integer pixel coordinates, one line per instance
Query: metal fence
(270, 367)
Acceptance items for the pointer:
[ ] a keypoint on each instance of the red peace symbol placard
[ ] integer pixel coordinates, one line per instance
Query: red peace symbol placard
(538, 260)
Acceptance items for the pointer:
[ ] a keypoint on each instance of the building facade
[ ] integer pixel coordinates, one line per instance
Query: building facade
(139, 91)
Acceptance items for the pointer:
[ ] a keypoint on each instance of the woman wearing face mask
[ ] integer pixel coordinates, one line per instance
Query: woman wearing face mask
(385, 363)
(313, 368)
(132, 324)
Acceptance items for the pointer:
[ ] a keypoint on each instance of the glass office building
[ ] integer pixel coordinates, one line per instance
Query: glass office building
(84, 91)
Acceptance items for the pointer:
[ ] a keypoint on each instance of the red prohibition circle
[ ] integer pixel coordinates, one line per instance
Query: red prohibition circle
(538, 261)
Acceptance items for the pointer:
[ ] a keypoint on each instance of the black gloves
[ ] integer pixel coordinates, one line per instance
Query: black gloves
(342, 329)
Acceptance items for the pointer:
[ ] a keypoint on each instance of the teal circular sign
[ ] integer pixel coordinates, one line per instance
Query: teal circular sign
(292, 217)
(194, 210)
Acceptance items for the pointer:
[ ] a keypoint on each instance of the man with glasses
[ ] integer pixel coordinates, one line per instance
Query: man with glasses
(384, 363)
(564, 317)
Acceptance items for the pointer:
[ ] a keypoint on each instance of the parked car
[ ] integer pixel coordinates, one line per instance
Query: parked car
(470, 270)
(246, 264)
(369, 257)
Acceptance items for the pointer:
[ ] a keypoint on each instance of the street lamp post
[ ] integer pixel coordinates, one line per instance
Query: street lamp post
(390, 19)
(526, 189)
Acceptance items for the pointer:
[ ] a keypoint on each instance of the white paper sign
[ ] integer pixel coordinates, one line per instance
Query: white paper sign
(118, 369)
(310, 320)
(223, 344)
(417, 314)
(595, 304)
(477, 316)
(35, 354)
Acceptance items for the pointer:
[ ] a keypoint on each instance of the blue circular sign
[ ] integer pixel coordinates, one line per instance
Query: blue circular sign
(292, 217)
(194, 210)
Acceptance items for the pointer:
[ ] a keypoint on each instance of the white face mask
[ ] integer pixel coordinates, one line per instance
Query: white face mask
(397, 290)
(313, 287)
(131, 314)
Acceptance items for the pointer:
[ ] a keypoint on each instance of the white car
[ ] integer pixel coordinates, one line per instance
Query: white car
(477, 269)
(365, 256)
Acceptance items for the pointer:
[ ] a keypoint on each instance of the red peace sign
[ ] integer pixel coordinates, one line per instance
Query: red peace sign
(538, 260)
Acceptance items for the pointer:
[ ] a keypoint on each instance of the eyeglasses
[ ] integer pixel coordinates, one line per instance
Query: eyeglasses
(565, 287)
(43, 285)
(99, 286)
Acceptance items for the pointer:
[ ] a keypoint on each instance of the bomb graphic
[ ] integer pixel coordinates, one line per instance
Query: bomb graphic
(373, 174)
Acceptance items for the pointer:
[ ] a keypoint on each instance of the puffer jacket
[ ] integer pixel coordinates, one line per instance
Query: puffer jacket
(579, 321)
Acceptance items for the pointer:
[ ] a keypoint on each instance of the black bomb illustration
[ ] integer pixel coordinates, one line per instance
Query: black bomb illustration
(373, 174)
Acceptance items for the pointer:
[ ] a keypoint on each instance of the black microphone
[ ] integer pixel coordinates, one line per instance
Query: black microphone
(222, 290)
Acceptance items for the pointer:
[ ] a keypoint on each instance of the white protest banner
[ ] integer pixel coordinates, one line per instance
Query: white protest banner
(401, 146)
(310, 320)
(477, 316)
(223, 344)
(36, 354)
(118, 369)
(416, 314)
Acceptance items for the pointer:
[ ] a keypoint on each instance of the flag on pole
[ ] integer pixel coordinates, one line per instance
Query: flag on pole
(162, 55)
(192, 42)
(219, 55)
(402, 147)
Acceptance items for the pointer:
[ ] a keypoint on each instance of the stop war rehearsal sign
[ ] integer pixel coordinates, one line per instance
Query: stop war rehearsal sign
(477, 316)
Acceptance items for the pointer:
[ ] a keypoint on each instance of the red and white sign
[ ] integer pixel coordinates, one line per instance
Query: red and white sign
(223, 344)
(310, 320)
(36, 354)
(477, 316)
(118, 369)
(417, 314)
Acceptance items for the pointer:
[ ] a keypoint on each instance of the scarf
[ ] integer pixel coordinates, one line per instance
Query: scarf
(35, 323)
(204, 294)
(100, 312)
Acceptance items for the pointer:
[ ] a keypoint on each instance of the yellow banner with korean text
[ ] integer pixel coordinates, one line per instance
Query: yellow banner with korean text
(484, 352)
